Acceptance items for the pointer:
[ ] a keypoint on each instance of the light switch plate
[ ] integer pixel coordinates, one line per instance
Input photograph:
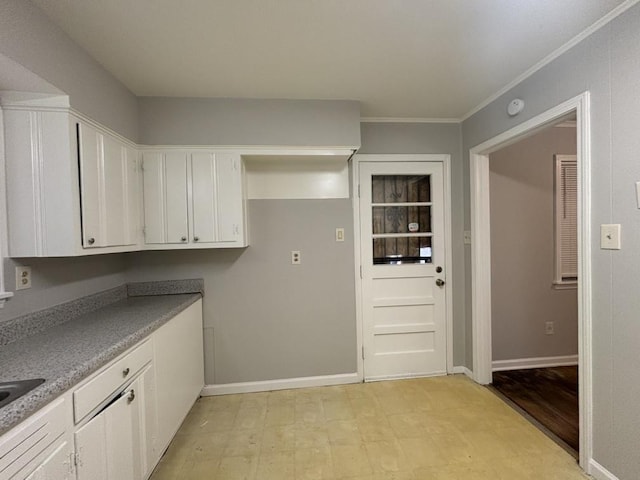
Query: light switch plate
(638, 194)
(610, 236)
(467, 237)
(339, 234)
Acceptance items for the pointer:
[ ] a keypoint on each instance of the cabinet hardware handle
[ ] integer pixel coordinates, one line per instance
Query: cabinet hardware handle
(183, 239)
(125, 372)
(195, 239)
(132, 396)
(91, 241)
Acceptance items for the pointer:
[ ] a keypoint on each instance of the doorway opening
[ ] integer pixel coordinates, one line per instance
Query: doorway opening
(534, 304)
(481, 274)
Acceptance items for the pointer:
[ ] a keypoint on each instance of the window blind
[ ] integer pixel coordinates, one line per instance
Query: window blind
(566, 197)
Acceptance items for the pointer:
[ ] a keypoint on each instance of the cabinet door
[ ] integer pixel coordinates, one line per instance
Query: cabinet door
(109, 190)
(146, 392)
(203, 197)
(57, 466)
(133, 197)
(229, 198)
(91, 174)
(165, 198)
(108, 446)
(114, 205)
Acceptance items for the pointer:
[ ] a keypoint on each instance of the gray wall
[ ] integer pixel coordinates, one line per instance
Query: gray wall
(271, 319)
(436, 138)
(522, 251)
(225, 121)
(28, 37)
(607, 64)
(58, 280)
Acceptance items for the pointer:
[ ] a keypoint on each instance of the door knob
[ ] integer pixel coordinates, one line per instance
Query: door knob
(195, 239)
(439, 282)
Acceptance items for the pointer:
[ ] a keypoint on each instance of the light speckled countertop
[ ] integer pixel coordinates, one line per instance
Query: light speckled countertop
(67, 353)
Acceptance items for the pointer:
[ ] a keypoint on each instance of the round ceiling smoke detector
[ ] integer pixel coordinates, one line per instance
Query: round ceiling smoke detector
(515, 107)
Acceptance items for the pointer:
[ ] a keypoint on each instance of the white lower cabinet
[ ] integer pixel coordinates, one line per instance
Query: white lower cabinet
(178, 358)
(111, 444)
(120, 434)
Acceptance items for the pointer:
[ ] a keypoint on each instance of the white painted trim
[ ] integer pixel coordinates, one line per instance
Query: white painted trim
(258, 150)
(539, 362)
(281, 384)
(481, 267)
(461, 369)
(448, 242)
(446, 179)
(355, 202)
(407, 120)
(403, 376)
(598, 472)
(619, 10)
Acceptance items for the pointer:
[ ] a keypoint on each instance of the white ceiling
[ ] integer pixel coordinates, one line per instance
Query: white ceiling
(400, 58)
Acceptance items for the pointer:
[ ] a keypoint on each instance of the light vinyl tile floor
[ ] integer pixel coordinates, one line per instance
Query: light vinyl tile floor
(439, 428)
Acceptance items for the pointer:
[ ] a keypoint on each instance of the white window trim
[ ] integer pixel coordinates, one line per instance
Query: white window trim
(559, 283)
(4, 295)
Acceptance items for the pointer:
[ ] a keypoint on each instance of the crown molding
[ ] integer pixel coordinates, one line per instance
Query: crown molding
(407, 120)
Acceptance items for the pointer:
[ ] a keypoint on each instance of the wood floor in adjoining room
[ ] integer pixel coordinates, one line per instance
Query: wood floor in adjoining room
(420, 429)
(549, 395)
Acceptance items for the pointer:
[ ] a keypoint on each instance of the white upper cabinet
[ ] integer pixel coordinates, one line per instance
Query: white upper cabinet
(193, 199)
(73, 188)
(109, 190)
(165, 198)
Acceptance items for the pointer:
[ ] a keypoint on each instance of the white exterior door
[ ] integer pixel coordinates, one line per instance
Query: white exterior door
(403, 269)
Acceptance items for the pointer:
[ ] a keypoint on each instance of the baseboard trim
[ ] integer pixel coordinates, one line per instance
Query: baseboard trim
(598, 472)
(404, 376)
(281, 384)
(540, 362)
(461, 369)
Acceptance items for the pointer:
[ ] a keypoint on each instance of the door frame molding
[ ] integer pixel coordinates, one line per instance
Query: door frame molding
(481, 258)
(446, 180)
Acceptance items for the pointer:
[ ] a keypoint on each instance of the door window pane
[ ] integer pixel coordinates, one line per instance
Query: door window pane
(401, 250)
(400, 188)
(411, 219)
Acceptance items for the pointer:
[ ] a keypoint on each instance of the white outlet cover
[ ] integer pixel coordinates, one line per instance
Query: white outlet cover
(296, 259)
(610, 236)
(23, 278)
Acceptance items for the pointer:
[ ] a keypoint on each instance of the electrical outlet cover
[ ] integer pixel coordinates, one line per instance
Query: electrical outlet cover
(23, 278)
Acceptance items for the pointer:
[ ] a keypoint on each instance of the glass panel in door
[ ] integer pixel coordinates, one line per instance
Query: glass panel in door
(401, 219)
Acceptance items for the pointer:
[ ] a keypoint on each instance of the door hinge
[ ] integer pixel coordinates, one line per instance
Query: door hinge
(363, 352)
(360, 271)
(141, 166)
(358, 190)
(75, 458)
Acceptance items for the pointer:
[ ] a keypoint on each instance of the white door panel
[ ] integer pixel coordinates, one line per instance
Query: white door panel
(176, 197)
(91, 173)
(154, 205)
(114, 206)
(229, 193)
(204, 194)
(402, 245)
